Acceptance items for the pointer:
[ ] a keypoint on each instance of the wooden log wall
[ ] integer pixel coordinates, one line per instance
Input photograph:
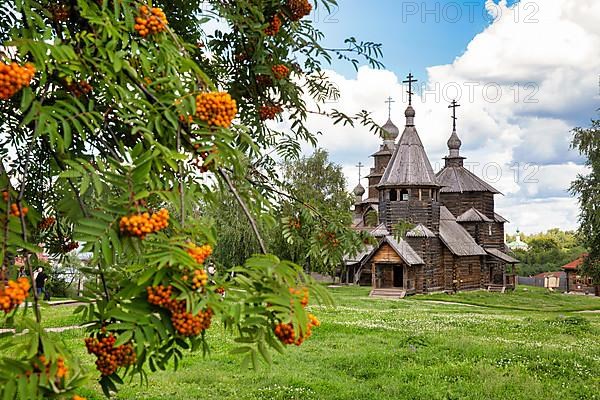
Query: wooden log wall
(458, 203)
(426, 212)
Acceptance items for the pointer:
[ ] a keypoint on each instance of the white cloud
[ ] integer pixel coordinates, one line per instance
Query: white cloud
(527, 124)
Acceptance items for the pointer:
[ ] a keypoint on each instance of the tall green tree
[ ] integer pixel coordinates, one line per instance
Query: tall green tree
(316, 215)
(587, 188)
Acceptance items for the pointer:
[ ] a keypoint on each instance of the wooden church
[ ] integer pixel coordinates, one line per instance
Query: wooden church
(453, 239)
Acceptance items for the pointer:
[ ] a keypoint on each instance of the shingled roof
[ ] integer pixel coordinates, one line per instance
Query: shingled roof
(409, 165)
(456, 238)
(473, 215)
(502, 256)
(420, 231)
(458, 179)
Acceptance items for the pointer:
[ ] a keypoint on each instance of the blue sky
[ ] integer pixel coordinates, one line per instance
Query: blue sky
(498, 44)
(414, 35)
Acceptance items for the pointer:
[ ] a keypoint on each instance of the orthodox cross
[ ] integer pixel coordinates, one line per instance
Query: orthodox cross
(410, 81)
(389, 102)
(453, 107)
(359, 166)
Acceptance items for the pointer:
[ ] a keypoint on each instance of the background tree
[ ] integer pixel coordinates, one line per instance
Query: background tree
(587, 188)
(548, 251)
(316, 215)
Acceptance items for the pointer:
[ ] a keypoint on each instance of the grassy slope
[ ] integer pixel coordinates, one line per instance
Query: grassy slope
(407, 349)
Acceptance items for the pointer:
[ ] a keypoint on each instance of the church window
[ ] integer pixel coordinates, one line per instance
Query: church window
(490, 230)
(393, 195)
(420, 194)
(404, 195)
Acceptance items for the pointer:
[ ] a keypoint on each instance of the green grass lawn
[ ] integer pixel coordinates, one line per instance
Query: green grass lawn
(404, 349)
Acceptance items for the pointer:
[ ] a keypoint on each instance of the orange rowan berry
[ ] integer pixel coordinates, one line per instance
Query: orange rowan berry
(108, 357)
(5, 195)
(299, 9)
(216, 108)
(296, 293)
(14, 210)
(269, 112)
(150, 21)
(13, 78)
(160, 296)
(77, 397)
(141, 224)
(274, 26)
(79, 88)
(280, 71)
(199, 253)
(46, 223)
(13, 293)
(60, 12)
(200, 279)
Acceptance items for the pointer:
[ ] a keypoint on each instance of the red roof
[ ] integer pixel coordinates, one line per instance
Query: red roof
(573, 265)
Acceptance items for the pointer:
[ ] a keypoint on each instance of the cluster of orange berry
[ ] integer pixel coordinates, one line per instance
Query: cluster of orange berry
(286, 334)
(216, 108)
(109, 357)
(79, 88)
(60, 12)
(5, 195)
(200, 279)
(329, 238)
(188, 324)
(46, 223)
(280, 71)
(13, 77)
(294, 223)
(199, 253)
(144, 223)
(269, 112)
(150, 21)
(274, 26)
(43, 364)
(14, 210)
(264, 80)
(184, 322)
(302, 294)
(299, 9)
(13, 293)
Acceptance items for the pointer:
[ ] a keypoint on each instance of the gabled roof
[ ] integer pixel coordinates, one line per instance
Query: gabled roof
(402, 248)
(473, 215)
(420, 231)
(575, 264)
(409, 165)
(458, 179)
(359, 258)
(379, 231)
(500, 218)
(456, 238)
(502, 256)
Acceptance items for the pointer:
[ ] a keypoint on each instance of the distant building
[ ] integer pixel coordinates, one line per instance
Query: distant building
(518, 244)
(551, 280)
(576, 282)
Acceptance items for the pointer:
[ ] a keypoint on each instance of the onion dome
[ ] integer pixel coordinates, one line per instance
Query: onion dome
(359, 190)
(391, 130)
(454, 144)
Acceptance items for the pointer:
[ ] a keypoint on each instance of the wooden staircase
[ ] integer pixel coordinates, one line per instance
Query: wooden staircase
(388, 293)
(496, 288)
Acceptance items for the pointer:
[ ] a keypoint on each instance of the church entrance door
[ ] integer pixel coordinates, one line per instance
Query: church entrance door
(398, 276)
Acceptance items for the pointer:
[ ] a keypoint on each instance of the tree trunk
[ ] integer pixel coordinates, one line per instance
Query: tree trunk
(597, 290)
